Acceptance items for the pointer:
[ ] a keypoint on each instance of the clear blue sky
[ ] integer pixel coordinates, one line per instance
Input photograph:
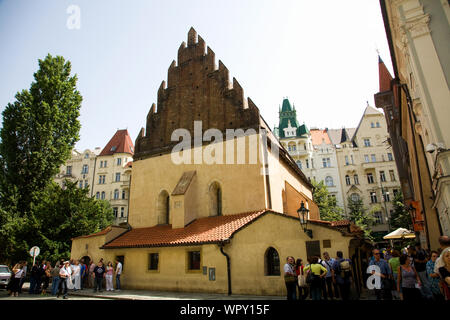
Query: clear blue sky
(320, 54)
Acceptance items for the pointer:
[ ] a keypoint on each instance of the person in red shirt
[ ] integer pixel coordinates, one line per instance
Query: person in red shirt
(302, 289)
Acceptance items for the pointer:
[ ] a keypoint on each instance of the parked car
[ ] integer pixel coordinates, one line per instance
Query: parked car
(5, 275)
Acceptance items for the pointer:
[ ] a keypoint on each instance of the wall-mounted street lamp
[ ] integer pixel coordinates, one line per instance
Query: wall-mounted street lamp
(303, 216)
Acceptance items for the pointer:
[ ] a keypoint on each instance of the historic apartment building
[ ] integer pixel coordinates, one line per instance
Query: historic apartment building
(416, 102)
(352, 162)
(201, 226)
(312, 150)
(106, 172)
(367, 166)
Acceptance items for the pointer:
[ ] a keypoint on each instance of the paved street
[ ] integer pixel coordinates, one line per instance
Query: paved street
(88, 294)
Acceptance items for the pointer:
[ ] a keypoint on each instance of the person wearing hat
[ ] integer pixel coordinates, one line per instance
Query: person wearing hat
(64, 274)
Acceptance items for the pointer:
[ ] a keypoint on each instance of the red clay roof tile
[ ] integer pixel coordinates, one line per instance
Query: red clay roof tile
(119, 143)
(203, 230)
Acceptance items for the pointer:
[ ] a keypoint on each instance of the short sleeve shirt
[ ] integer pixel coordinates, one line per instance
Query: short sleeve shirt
(288, 268)
(119, 268)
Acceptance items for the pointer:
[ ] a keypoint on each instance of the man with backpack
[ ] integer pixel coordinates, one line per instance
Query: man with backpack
(385, 274)
(342, 274)
(328, 284)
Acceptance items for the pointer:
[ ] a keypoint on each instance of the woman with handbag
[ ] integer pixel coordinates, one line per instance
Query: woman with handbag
(408, 282)
(317, 272)
(302, 286)
(290, 278)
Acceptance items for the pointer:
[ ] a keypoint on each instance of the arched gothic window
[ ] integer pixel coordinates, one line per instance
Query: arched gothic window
(272, 262)
(163, 208)
(329, 181)
(215, 198)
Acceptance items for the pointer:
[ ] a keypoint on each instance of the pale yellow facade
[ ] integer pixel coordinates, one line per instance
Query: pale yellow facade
(112, 182)
(244, 189)
(247, 251)
(368, 168)
(80, 168)
(419, 31)
(85, 168)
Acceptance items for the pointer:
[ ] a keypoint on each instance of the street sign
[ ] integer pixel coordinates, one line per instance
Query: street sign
(34, 252)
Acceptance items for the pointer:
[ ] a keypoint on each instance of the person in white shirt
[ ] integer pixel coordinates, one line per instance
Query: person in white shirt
(77, 275)
(118, 273)
(64, 276)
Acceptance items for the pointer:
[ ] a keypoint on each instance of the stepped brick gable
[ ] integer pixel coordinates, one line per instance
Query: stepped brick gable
(196, 90)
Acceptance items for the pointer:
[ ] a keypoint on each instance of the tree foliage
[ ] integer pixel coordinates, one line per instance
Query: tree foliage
(39, 130)
(400, 217)
(358, 215)
(328, 208)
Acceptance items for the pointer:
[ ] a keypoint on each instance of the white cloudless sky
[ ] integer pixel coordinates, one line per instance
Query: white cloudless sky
(320, 54)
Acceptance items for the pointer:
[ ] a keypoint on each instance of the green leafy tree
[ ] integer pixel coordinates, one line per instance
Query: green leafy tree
(328, 208)
(39, 131)
(359, 216)
(400, 217)
(65, 213)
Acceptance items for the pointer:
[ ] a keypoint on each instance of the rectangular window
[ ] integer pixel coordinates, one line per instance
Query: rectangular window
(101, 179)
(352, 159)
(117, 176)
(80, 184)
(395, 192)
(370, 178)
(69, 170)
(346, 161)
(307, 163)
(374, 158)
(392, 174)
(115, 211)
(373, 197)
(153, 261)
(378, 217)
(105, 163)
(86, 183)
(101, 164)
(386, 197)
(366, 158)
(366, 142)
(312, 163)
(123, 194)
(356, 179)
(119, 161)
(85, 169)
(194, 260)
(122, 211)
(382, 176)
(390, 158)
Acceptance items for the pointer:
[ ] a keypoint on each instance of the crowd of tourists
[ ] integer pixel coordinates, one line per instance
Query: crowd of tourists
(410, 274)
(327, 278)
(63, 276)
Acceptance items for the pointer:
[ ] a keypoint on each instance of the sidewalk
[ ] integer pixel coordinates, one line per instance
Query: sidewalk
(161, 295)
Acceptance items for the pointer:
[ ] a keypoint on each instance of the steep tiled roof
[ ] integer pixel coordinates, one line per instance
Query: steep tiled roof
(318, 135)
(204, 230)
(384, 75)
(119, 143)
(201, 231)
(100, 233)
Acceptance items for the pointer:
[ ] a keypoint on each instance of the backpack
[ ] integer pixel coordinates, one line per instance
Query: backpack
(345, 270)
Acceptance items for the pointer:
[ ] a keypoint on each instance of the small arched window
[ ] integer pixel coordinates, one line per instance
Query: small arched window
(355, 197)
(103, 195)
(347, 180)
(329, 181)
(272, 262)
(163, 207)
(116, 194)
(215, 198)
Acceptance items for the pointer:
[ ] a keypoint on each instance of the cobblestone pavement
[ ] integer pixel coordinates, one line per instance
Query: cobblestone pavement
(88, 294)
